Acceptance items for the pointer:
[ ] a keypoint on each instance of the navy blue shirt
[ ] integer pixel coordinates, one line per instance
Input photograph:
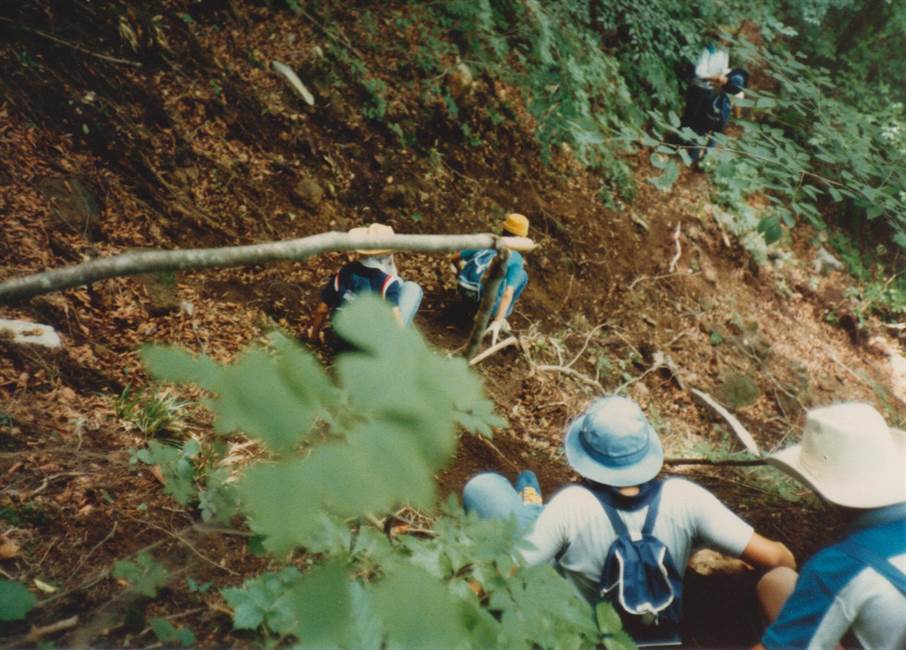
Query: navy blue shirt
(354, 279)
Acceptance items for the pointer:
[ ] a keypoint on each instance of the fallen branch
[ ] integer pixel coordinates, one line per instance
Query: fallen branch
(38, 633)
(749, 462)
(505, 343)
(201, 258)
(290, 75)
(741, 432)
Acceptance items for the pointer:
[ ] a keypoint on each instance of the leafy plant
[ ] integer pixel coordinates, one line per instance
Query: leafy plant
(15, 600)
(176, 466)
(169, 635)
(151, 410)
(346, 447)
(144, 575)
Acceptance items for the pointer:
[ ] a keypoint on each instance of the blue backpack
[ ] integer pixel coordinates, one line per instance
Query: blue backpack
(471, 274)
(641, 581)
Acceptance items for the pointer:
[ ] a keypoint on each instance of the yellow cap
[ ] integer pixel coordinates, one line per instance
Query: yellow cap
(374, 230)
(516, 224)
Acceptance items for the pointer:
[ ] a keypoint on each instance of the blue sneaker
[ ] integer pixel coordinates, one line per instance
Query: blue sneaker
(528, 488)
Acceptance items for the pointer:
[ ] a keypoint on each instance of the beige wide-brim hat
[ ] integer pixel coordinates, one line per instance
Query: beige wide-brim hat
(849, 456)
(374, 230)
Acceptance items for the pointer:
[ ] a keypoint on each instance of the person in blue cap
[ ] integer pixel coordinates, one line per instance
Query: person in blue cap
(612, 446)
(708, 103)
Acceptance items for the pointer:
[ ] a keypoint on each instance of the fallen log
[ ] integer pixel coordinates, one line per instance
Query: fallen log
(23, 288)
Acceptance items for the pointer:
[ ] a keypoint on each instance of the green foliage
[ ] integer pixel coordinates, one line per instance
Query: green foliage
(369, 450)
(169, 635)
(151, 410)
(15, 600)
(144, 575)
(176, 466)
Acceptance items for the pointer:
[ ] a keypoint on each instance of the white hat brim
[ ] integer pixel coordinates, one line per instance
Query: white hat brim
(885, 486)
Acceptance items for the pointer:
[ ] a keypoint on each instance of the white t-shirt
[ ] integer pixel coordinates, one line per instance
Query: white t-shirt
(574, 527)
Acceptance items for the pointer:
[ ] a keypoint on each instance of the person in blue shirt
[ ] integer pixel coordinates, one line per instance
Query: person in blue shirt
(473, 264)
(374, 272)
(856, 587)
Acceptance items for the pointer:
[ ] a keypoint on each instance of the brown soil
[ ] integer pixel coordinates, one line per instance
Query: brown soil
(203, 146)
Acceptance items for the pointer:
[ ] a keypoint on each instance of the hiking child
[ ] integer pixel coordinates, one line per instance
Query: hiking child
(856, 463)
(707, 107)
(472, 264)
(374, 272)
(592, 531)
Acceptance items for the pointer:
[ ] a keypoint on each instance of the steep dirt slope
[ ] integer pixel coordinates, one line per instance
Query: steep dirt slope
(203, 145)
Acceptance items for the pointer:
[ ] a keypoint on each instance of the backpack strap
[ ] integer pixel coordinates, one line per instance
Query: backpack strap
(618, 526)
(613, 513)
(653, 507)
(853, 547)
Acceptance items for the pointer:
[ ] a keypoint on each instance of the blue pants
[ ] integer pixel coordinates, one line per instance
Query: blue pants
(410, 299)
(492, 496)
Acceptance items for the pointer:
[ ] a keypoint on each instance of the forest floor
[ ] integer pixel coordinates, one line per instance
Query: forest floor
(208, 147)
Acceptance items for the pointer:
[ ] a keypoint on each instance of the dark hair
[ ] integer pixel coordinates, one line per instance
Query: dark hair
(737, 79)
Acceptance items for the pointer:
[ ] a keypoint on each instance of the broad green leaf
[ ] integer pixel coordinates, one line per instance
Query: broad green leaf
(765, 102)
(144, 575)
(666, 180)
(322, 604)
(167, 634)
(255, 399)
(770, 229)
(15, 600)
(607, 618)
(265, 599)
(172, 364)
(418, 612)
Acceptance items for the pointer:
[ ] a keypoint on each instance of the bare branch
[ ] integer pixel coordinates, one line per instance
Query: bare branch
(135, 263)
(505, 343)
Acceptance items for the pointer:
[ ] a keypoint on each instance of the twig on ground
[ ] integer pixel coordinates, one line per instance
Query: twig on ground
(178, 537)
(75, 46)
(505, 343)
(85, 557)
(679, 249)
(37, 633)
(585, 344)
(659, 361)
(497, 451)
(573, 373)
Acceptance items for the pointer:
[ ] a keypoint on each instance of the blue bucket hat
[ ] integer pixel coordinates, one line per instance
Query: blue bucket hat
(613, 443)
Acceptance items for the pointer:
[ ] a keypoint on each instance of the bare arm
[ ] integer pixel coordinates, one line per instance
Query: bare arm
(764, 553)
(317, 321)
(505, 301)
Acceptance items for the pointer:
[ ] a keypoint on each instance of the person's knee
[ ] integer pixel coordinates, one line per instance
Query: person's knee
(482, 488)
(774, 588)
(414, 287)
